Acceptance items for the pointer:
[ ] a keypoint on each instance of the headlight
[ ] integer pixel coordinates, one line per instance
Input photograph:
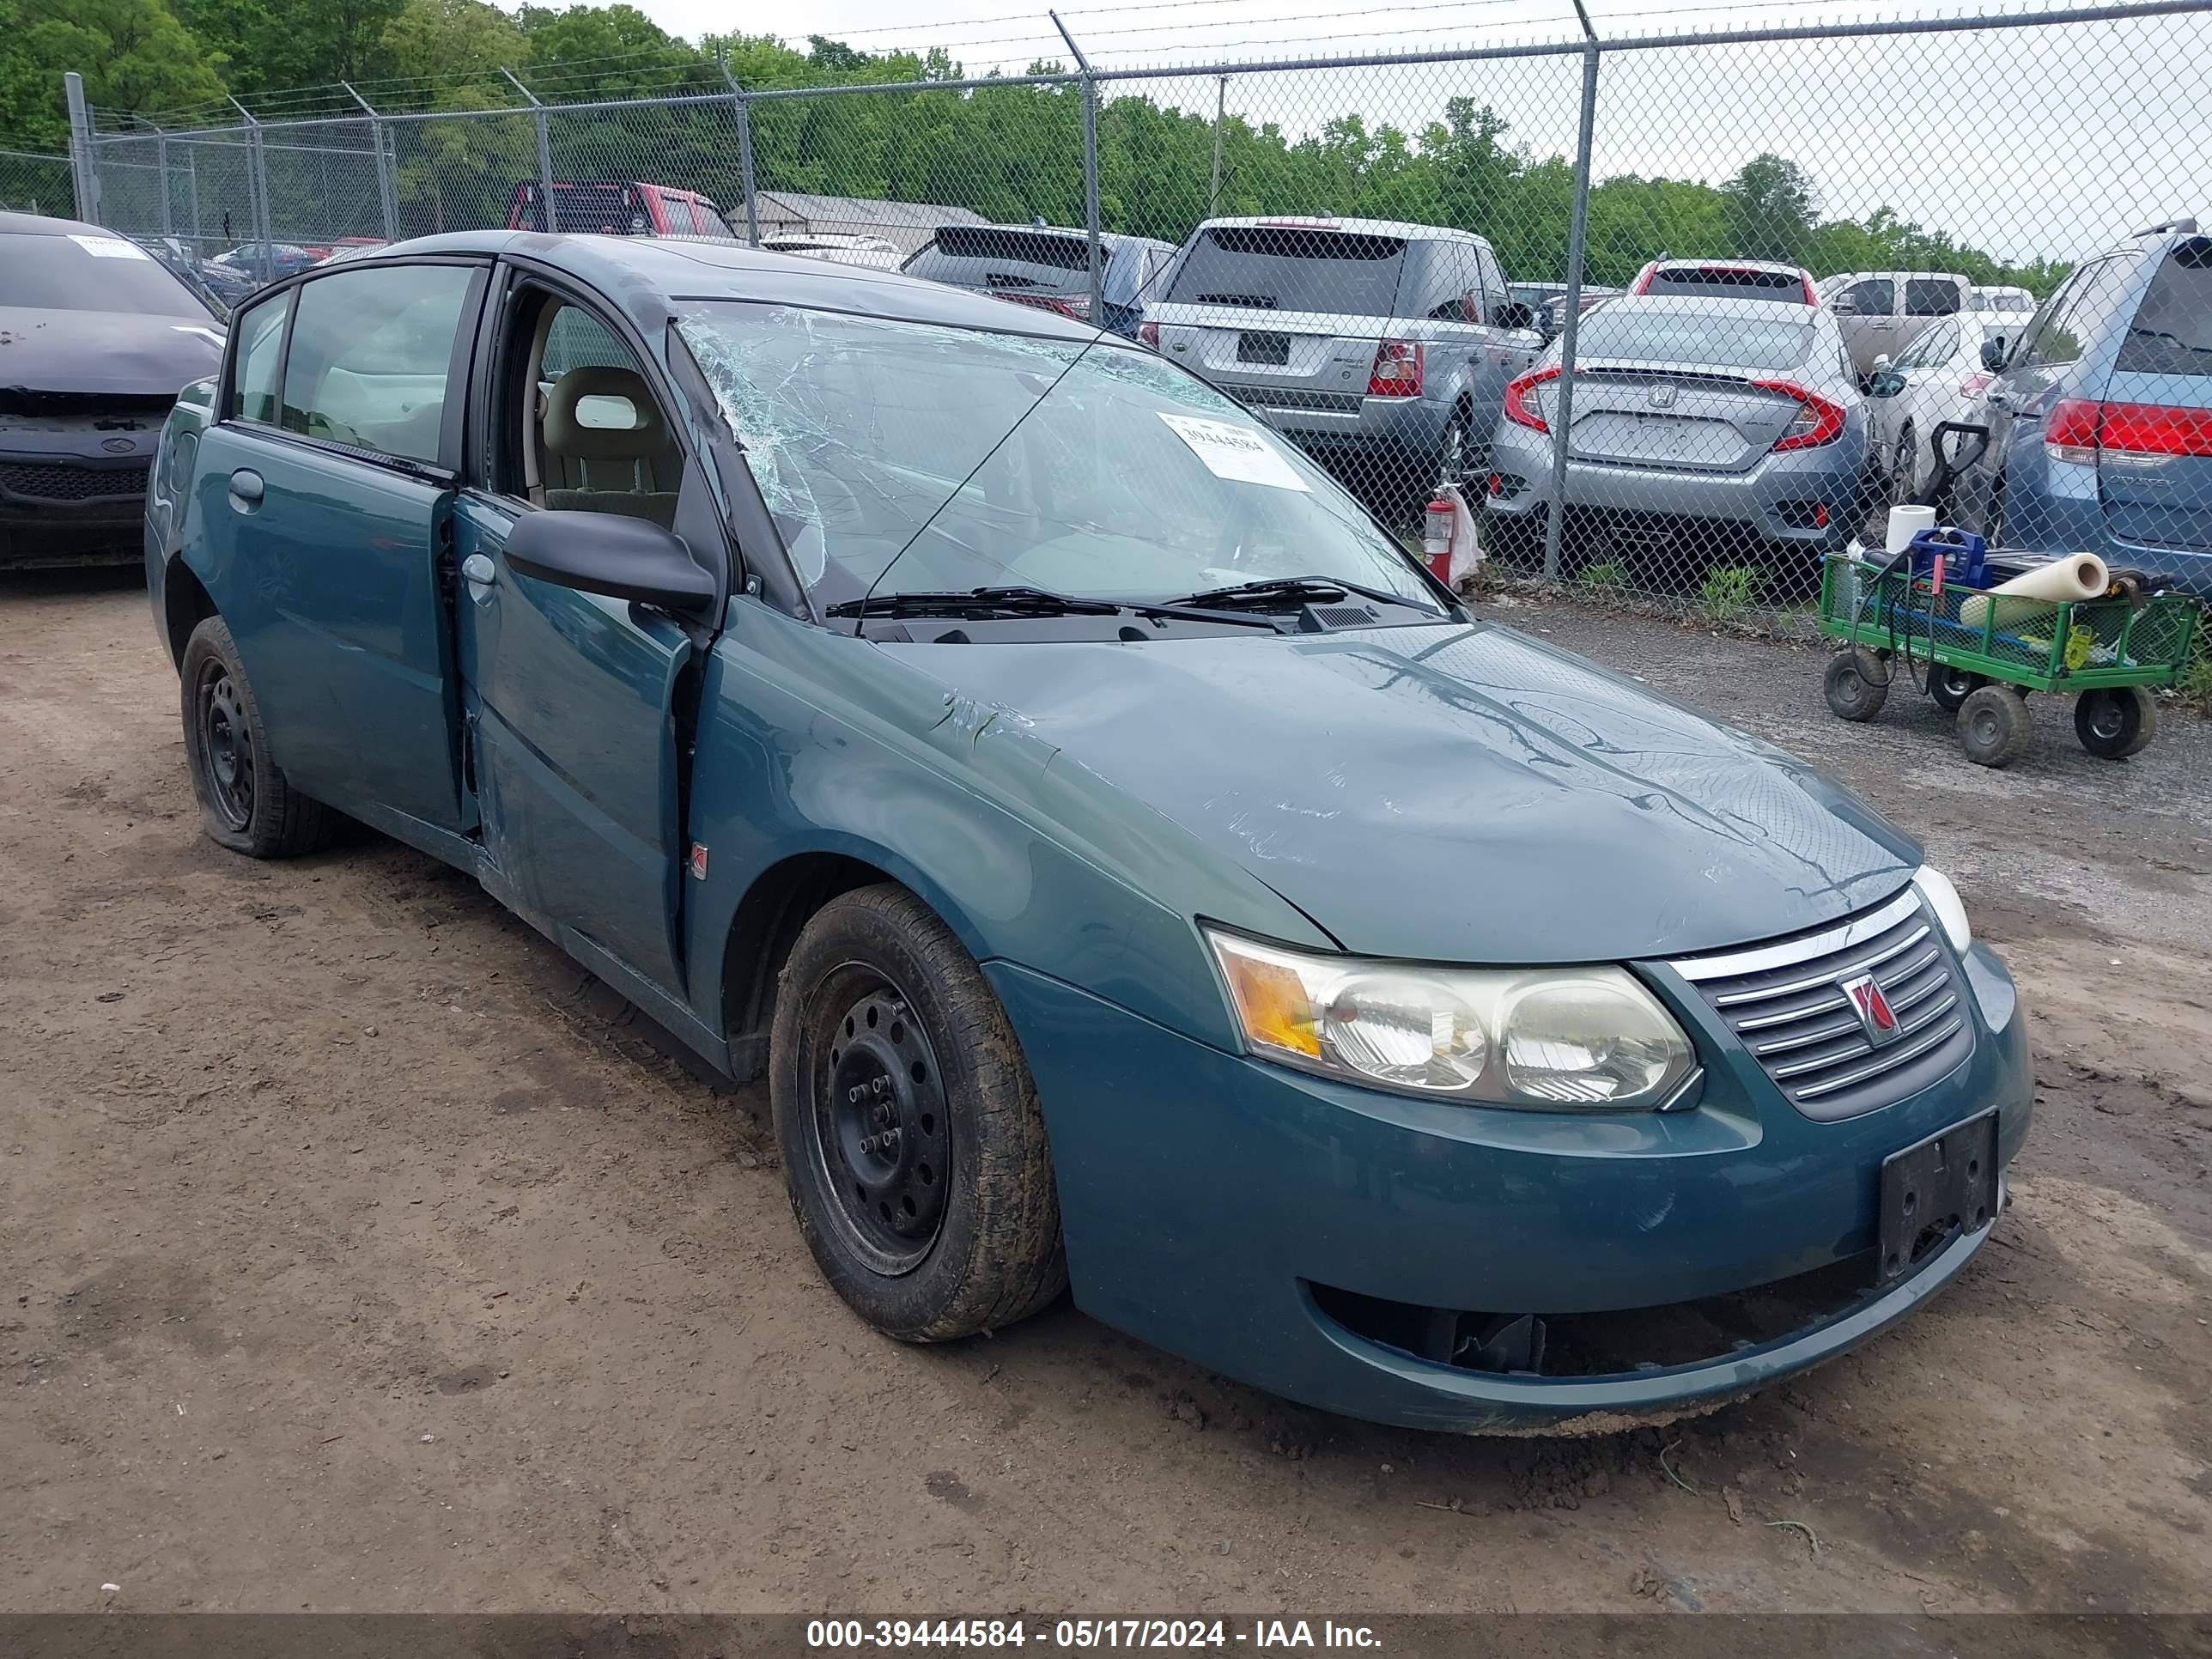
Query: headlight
(1573, 1038)
(1943, 899)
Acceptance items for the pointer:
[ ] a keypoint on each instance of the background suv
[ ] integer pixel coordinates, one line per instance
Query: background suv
(1382, 348)
(2100, 416)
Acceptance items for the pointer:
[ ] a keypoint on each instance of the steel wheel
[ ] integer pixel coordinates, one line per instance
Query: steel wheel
(228, 742)
(880, 1126)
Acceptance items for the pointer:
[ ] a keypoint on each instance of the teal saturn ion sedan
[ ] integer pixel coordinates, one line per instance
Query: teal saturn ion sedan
(1132, 873)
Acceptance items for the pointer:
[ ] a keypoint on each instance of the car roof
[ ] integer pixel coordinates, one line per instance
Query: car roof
(642, 274)
(39, 224)
(1404, 228)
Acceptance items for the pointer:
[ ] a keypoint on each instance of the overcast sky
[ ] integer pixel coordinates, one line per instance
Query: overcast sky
(2045, 141)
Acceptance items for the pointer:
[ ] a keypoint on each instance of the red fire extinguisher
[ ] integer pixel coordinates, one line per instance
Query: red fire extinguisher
(1436, 539)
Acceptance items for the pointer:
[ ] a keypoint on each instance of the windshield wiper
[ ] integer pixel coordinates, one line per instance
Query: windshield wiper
(981, 603)
(1291, 593)
(975, 602)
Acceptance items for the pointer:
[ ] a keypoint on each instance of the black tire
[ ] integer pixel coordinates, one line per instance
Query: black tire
(245, 802)
(1995, 727)
(1900, 470)
(1857, 685)
(2114, 722)
(1517, 541)
(954, 1227)
(1950, 687)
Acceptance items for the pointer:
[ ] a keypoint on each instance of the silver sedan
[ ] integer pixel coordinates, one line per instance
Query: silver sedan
(1703, 430)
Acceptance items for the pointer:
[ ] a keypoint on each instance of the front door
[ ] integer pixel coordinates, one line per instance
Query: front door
(572, 697)
(327, 491)
(1868, 322)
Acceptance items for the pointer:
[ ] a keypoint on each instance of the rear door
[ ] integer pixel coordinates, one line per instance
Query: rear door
(1286, 317)
(2154, 464)
(326, 492)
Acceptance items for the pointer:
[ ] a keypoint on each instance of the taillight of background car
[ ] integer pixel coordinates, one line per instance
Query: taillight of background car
(1149, 334)
(1819, 421)
(1397, 370)
(1975, 384)
(1518, 409)
(2081, 428)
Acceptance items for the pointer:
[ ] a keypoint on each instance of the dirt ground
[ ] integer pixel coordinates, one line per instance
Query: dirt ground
(358, 1252)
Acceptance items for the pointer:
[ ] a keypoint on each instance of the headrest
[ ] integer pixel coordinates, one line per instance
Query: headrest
(617, 421)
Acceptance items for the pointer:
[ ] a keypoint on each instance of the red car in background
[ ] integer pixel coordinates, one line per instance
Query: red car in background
(626, 208)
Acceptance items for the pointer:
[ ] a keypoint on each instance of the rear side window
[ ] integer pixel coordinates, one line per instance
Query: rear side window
(1694, 335)
(1728, 283)
(1294, 268)
(989, 256)
(259, 330)
(2171, 333)
(1927, 296)
(371, 352)
(2081, 312)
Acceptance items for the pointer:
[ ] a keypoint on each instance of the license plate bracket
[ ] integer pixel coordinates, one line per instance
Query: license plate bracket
(1271, 349)
(1935, 1191)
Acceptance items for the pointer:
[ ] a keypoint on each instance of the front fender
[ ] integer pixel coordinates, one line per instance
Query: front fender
(815, 742)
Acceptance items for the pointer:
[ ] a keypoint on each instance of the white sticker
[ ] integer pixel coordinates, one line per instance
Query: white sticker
(110, 247)
(1235, 453)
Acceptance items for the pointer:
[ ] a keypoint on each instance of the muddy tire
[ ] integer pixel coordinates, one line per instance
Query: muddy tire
(245, 802)
(2114, 722)
(913, 1151)
(1995, 727)
(1855, 685)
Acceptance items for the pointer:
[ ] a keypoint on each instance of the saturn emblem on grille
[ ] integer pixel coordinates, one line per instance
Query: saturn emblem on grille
(119, 446)
(1876, 1018)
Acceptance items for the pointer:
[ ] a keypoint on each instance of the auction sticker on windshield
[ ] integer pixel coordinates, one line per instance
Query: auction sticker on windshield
(110, 247)
(1235, 453)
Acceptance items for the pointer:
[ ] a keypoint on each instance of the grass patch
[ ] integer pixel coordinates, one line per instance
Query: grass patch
(1729, 590)
(1609, 577)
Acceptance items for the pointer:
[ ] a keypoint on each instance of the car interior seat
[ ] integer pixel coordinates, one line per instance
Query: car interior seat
(607, 448)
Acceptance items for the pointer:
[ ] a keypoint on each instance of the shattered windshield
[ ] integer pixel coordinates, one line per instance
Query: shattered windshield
(902, 457)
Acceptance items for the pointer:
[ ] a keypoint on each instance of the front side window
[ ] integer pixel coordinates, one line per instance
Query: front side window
(1095, 471)
(259, 332)
(1875, 297)
(594, 438)
(371, 352)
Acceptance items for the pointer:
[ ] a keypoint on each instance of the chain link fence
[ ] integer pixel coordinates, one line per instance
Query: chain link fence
(1678, 315)
(35, 183)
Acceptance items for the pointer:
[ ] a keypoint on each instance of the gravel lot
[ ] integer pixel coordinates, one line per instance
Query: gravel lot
(357, 1251)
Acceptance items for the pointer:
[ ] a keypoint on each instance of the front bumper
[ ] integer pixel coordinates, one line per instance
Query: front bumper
(64, 502)
(1776, 500)
(1212, 1203)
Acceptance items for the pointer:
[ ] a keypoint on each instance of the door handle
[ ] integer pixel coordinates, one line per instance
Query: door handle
(245, 487)
(479, 570)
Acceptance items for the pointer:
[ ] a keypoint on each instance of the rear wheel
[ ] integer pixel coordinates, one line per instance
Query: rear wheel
(1995, 727)
(2115, 722)
(1950, 687)
(913, 1151)
(1455, 459)
(245, 802)
(1857, 684)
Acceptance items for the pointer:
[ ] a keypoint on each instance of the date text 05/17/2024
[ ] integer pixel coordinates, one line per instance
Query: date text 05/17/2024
(924, 1633)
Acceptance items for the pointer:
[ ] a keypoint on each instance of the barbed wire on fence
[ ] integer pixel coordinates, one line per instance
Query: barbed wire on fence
(1386, 252)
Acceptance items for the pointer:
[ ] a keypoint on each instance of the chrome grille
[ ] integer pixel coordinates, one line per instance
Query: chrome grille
(1786, 1004)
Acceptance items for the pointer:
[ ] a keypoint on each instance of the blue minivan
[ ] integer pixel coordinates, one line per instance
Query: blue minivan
(1131, 871)
(2100, 416)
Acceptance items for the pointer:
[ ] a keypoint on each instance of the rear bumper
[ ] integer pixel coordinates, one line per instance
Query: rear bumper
(1776, 499)
(1213, 1205)
(1407, 428)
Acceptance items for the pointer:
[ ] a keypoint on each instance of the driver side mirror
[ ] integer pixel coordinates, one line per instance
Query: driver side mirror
(1844, 305)
(1514, 314)
(1886, 383)
(1995, 350)
(612, 554)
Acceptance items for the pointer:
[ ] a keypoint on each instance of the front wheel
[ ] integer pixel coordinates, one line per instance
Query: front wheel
(1995, 727)
(2114, 722)
(1857, 684)
(914, 1149)
(245, 802)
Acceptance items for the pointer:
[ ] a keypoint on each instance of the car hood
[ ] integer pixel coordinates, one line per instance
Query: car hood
(121, 352)
(1450, 792)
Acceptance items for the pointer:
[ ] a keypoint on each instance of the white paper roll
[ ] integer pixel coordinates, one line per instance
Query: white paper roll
(2076, 576)
(1906, 523)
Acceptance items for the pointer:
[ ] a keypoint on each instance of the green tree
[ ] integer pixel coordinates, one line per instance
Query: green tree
(459, 41)
(1771, 205)
(134, 55)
